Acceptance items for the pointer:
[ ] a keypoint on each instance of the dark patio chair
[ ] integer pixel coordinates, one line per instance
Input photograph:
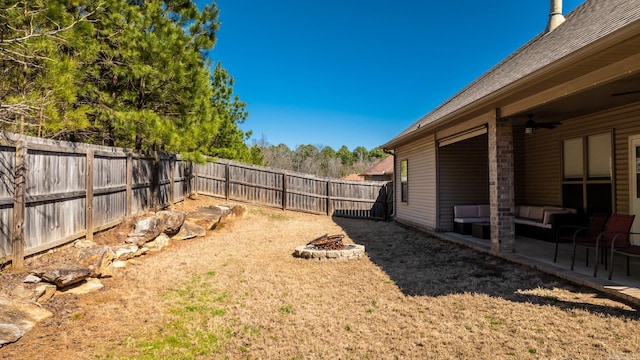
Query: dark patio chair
(617, 229)
(621, 244)
(581, 234)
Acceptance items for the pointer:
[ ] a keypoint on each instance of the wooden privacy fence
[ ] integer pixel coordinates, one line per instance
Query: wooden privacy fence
(293, 191)
(54, 192)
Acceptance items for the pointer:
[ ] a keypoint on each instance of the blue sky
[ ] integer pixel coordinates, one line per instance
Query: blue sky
(355, 72)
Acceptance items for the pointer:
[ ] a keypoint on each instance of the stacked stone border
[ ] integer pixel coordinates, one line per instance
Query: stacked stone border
(349, 252)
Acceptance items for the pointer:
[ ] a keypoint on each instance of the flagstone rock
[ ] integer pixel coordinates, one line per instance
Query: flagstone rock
(88, 286)
(83, 243)
(190, 230)
(44, 292)
(64, 275)
(172, 220)
(159, 243)
(207, 217)
(146, 229)
(96, 258)
(21, 292)
(31, 279)
(124, 251)
(17, 317)
(118, 264)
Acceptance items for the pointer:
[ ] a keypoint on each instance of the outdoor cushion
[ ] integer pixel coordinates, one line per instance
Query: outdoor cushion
(524, 211)
(548, 214)
(484, 211)
(471, 220)
(465, 211)
(532, 223)
(536, 213)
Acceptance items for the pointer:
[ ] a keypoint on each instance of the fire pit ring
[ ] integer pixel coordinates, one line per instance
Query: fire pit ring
(329, 247)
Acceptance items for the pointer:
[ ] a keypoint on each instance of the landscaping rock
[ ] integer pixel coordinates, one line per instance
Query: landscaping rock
(21, 292)
(31, 279)
(158, 243)
(118, 264)
(40, 293)
(64, 274)
(124, 251)
(17, 317)
(172, 220)
(190, 230)
(207, 217)
(239, 211)
(96, 258)
(44, 292)
(86, 287)
(146, 229)
(83, 243)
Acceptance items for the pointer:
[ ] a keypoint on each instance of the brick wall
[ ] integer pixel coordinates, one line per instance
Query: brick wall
(501, 185)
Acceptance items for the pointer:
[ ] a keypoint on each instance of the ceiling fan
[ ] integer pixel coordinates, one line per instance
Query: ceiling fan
(626, 93)
(531, 126)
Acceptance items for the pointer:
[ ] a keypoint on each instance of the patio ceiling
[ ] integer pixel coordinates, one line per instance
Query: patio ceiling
(614, 94)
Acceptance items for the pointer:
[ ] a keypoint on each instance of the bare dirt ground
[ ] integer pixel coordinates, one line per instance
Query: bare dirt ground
(411, 297)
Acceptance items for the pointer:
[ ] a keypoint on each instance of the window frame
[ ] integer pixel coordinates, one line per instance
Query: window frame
(404, 180)
(585, 182)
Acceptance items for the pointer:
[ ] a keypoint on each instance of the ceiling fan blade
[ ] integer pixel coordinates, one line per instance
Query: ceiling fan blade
(626, 93)
(549, 125)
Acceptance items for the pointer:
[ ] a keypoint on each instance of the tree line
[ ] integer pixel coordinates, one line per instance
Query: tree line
(127, 73)
(320, 160)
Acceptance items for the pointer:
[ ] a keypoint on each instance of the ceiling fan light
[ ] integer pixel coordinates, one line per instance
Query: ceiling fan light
(530, 127)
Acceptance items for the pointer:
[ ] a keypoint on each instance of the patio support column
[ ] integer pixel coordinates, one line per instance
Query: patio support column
(501, 184)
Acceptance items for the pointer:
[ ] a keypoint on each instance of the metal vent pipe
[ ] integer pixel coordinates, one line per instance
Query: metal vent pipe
(555, 15)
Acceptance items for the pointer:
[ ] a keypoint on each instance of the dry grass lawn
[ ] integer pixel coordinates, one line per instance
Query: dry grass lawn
(239, 294)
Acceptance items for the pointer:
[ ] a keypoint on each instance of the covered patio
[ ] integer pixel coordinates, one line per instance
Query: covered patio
(538, 254)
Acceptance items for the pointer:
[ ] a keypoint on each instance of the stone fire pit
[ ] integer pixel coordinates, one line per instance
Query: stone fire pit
(329, 247)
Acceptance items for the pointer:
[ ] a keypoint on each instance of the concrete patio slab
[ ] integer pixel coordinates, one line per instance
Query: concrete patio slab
(538, 254)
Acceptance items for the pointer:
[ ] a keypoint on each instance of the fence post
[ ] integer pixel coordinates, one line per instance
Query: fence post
(186, 186)
(329, 202)
(88, 202)
(129, 191)
(172, 168)
(227, 177)
(285, 179)
(194, 170)
(155, 182)
(17, 243)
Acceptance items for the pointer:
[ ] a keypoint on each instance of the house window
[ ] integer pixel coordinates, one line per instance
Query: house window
(404, 171)
(587, 174)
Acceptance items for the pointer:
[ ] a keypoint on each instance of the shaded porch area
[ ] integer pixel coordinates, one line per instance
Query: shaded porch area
(538, 254)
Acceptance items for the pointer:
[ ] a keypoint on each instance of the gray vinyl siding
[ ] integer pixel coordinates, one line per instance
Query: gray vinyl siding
(463, 177)
(420, 209)
(539, 178)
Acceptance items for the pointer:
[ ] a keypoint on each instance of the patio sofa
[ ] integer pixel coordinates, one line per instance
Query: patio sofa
(465, 215)
(541, 222)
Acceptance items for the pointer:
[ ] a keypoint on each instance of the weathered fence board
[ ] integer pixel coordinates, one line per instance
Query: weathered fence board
(292, 191)
(7, 164)
(142, 174)
(109, 189)
(72, 190)
(307, 194)
(253, 184)
(55, 190)
(210, 179)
